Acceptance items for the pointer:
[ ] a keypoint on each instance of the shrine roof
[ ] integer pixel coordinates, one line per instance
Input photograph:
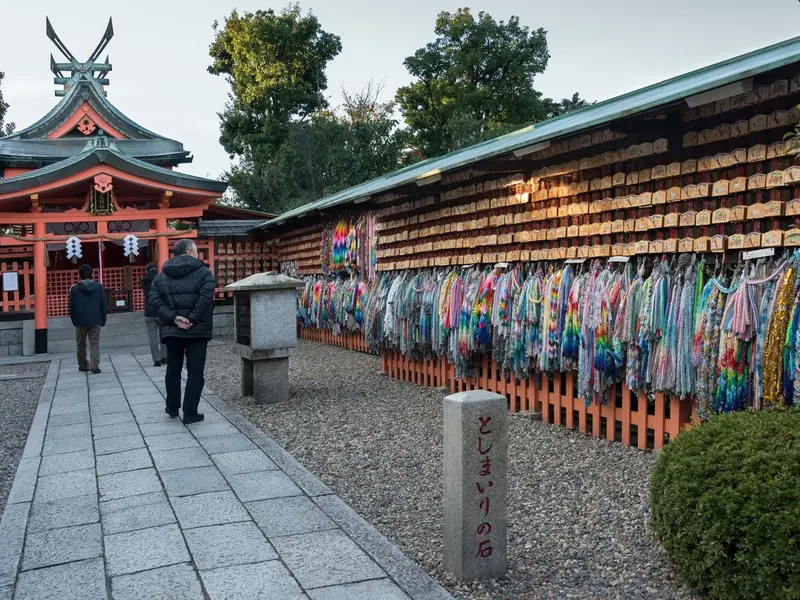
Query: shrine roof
(39, 153)
(82, 92)
(227, 227)
(103, 151)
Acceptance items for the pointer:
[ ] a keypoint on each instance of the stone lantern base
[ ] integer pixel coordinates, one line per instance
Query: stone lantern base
(265, 373)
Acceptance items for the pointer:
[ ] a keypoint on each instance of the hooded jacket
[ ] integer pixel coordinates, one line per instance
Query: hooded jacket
(185, 287)
(87, 304)
(147, 284)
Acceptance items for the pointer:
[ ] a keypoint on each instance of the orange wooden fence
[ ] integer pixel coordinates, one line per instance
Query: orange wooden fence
(636, 419)
(22, 299)
(349, 340)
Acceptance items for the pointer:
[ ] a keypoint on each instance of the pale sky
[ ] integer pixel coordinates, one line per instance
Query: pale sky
(160, 49)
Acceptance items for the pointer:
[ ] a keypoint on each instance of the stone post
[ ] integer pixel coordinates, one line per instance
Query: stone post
(475, 485)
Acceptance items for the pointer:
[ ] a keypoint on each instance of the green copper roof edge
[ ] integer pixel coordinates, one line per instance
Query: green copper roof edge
(94, 156)
(634, 102)
(97, 101)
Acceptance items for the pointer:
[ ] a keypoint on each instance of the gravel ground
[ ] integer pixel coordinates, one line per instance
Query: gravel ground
(577, 514)
(18, 399)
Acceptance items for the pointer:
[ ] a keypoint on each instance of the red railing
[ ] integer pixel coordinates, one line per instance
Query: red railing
(637, 419)
(22, 298)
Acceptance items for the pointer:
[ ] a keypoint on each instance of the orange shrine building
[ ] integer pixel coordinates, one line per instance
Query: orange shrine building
(87, 184)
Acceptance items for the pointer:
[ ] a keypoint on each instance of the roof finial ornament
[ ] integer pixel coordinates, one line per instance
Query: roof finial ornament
(69, 74)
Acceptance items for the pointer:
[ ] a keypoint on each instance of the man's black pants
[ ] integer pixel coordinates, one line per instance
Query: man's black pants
(195, 352)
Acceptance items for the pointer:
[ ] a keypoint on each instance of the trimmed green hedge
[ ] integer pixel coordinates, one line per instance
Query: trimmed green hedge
(725, 500)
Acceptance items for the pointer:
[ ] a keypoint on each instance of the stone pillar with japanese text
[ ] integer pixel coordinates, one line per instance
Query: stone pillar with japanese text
(475, 485)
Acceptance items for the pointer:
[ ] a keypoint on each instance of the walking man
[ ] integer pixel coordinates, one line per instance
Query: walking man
(182, 296)
(158, 350)
(87, 310)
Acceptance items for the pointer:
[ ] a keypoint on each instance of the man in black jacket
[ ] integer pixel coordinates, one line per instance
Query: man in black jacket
(158, 350)
(182, 296)
(87, 310)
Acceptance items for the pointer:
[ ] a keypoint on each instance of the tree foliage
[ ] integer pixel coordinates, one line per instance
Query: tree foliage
(7, 128)
(290, 148)
(275, 64)
(323, 154)
(475, 82)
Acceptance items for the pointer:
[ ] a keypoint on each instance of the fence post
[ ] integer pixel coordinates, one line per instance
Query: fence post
(475, 485)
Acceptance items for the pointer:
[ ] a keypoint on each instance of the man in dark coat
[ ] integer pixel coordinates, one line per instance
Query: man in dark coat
(158, 350)
(87, 310)
(182, 296)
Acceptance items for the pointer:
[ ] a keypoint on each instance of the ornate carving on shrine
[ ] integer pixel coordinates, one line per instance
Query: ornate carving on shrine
(86, 126)
(103, 183)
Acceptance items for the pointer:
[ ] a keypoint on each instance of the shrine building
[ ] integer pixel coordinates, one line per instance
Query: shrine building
(87, 184)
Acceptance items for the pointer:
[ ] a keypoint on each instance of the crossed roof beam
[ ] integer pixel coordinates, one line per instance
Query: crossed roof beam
(67, 74)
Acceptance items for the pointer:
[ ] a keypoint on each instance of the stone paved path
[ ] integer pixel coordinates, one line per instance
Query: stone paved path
(112, 499)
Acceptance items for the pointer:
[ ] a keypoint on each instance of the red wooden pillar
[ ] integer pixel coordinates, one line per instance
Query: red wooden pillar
(162, 242)
(40, 288)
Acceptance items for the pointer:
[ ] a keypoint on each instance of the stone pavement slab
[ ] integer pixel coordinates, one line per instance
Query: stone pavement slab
(66, 512)
(214, 508)
(59, 546)
(289, 516)
(188, 482)
(135, 551)
(325, 558)
(176, 582)
(84, 580)
(263, 485)
(66, 463)
(112, 495)
(138, 516)
(243, 461)
(252, 582)
(129, 460)
(228, 545)
(365, 590)
(184, 458)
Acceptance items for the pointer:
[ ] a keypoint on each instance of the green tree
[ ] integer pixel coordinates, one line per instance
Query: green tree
(475, 82)
(275, 64)
(568, 104)
(8, 128)
(323, 154)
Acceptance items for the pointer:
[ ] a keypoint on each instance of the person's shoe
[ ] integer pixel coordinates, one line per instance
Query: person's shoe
(171, 412)
(83, 369)
(163, 363)
(189, 419)
(96, 371)
(157, 363)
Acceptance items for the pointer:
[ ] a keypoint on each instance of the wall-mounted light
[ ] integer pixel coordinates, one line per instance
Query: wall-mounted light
(720, 93)
(520, 152)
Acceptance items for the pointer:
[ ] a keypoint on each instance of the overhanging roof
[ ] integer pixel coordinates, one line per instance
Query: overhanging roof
(639, 101)
(110, 155)
(61, 112)
(41, 152)
(227, 227)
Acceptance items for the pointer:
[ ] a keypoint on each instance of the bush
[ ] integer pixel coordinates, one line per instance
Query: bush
(725, 500)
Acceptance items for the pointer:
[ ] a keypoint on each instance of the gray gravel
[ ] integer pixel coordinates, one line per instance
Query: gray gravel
(577, 505)
(18, 399)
